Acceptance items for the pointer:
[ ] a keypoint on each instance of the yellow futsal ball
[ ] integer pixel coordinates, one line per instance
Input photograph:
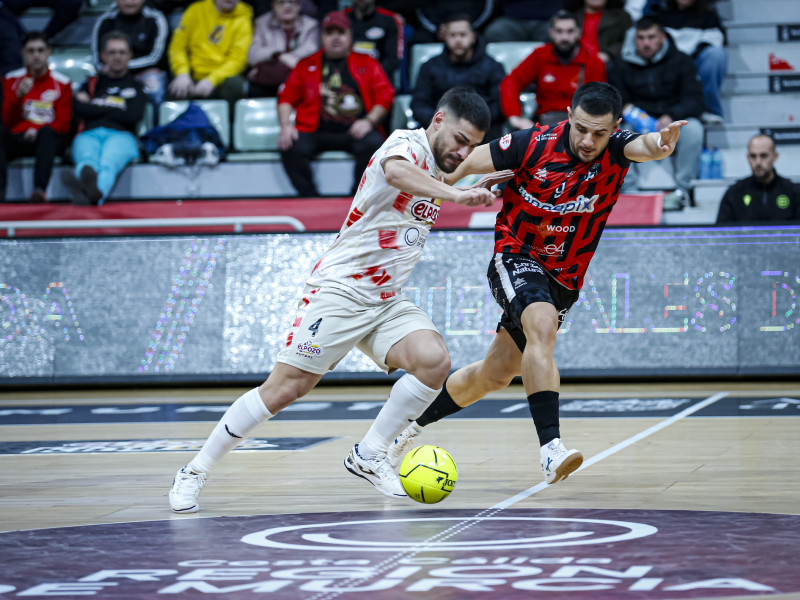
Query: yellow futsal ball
(428, 474)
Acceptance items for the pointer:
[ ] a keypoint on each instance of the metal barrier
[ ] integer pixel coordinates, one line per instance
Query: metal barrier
(237, 222)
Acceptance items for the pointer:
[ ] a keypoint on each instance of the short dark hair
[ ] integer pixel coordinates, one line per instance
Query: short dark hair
(458, 17)
(115, 34)
(647, 22)
(562, 15)
(465, 103)
(598, 98)
(35, 35)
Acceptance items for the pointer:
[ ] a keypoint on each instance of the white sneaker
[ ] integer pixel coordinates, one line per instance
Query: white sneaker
(210, 155)
(378, 471)
(558, 462)
(404, 442)
(185, 490)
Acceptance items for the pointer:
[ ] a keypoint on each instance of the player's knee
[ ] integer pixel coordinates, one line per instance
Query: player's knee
(434, 363)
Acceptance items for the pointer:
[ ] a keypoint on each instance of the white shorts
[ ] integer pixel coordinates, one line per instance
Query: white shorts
(328, 324)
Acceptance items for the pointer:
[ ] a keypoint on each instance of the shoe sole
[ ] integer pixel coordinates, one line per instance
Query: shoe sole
(352, 468)
(569, 466)
(191, 509)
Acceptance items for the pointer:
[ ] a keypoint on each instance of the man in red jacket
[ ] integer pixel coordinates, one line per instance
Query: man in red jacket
(37, 109)
(557, 69)
(341, 98)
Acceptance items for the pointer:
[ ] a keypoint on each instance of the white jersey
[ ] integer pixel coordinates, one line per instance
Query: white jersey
(386, 229)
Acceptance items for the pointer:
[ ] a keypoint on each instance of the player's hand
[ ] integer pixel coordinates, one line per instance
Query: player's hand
(24, 86)
(492, 179)
(203, 88)
(30, 134)
(669, 136)
(83, 97)
(477, 196)
(287, 136)
(181, 86)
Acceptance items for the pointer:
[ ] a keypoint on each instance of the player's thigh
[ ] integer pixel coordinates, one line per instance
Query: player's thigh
(391, 344)
(326, 326)
(540, 323)
(503, 360)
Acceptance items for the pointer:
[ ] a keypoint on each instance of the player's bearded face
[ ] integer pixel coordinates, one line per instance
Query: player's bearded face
(588, 134)
(454, 140)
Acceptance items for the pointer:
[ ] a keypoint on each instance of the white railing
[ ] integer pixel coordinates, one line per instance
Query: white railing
(238, 222)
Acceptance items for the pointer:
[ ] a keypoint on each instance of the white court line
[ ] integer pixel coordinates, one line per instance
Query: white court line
(621, 446)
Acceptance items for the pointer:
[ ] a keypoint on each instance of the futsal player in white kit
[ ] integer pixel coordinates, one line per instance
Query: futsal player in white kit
(353, 299)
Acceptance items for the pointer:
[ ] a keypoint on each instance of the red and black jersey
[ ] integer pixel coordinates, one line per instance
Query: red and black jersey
(556, 206)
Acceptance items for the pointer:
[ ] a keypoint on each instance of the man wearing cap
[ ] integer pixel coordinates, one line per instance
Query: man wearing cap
(341, 97)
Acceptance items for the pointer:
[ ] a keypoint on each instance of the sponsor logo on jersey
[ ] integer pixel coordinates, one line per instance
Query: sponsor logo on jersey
(581, 204)
(505, 141)
(309, 349)
(518, 282)
(593, 171)
(543, 137)
(541, 174)
(425, 210)
(560, 228)
(782, 201)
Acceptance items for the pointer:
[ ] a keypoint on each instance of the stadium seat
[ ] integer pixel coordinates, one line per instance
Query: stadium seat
(216, 110)
(401, 113)
(100, 4)
(419, 54)
(75, 63)
(510, 54)
(146, 124)
(255, 125)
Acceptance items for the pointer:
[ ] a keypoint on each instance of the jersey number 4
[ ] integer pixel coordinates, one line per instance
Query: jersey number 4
(315, 327)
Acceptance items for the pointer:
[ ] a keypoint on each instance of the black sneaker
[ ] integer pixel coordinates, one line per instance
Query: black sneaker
(89, 184)
(74, 187)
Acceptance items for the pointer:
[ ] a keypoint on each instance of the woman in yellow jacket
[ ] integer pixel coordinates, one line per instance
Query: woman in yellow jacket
(208, 51)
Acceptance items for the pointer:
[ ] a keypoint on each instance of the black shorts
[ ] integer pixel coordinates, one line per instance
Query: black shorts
(517, 281)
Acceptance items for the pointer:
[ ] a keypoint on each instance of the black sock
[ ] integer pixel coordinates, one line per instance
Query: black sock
(440, 408)
(544, 410)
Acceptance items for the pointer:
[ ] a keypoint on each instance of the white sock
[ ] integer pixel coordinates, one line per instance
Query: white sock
(234, 426)
(408, 399)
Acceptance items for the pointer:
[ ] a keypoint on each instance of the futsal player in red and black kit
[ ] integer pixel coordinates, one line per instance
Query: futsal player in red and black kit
(566, 179)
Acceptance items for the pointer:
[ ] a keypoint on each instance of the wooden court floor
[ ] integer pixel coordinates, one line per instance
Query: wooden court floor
(732, 463)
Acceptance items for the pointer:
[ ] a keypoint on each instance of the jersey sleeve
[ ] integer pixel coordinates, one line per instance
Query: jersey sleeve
(508, 151)
(403, 147)
(616, 146)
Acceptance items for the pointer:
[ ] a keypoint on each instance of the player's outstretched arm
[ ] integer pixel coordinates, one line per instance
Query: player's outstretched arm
(408, 177)
(656, 145)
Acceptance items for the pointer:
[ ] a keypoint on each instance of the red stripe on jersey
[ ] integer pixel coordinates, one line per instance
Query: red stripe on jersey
(363, 179)
(387, 295)
(289, 339)
(401, 202)
(297, 322)
(316, 266)
(387, 238)
(354, 216)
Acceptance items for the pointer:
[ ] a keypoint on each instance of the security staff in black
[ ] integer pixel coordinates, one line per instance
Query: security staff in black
(764, 196)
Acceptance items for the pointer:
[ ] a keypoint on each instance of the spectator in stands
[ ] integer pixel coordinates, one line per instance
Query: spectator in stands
(37, 110)
(110, 105)
(148, 31)
(557, 69)
(696, 29)
(64, 12)
(280, 39)
(604, 23)
(657, 79)
(463, 63)
(522, 21)
(433, 15)
(341, 98)
(11, 34)
(208, 52)
(765, 195)
(377, 32)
